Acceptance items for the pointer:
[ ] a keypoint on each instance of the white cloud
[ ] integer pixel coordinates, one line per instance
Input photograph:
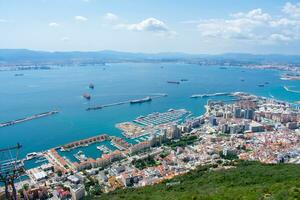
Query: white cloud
(110, 17)
(150, 24)
(256, 14)
(80, 18)
(280, 37)
(292, 9)
(53, 24)
(254, 25)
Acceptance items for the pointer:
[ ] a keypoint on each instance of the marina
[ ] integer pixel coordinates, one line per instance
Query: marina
(104, 149)
(80, 156)
(162, 118)
(36, 116)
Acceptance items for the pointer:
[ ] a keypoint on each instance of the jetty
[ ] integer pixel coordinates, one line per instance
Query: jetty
(211, 95)
(36, 116)
(133, 101)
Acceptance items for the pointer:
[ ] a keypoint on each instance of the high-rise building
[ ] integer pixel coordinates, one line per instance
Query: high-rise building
(213, 120)
(173, 132)
(237, 111)
(249, 114)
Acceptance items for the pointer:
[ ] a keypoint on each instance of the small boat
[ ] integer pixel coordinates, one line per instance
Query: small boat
(87, 96)
(19, 74)
(91, 86)
(261, 85)
(184, 79)
(267, 83)
(30, 156)
(223, 67)
(80, 156)
(242, 80)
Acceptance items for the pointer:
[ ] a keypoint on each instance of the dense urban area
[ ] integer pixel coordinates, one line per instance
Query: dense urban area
(170, 146)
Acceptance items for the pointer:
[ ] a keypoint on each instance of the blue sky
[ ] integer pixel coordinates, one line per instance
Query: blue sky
(214, 26)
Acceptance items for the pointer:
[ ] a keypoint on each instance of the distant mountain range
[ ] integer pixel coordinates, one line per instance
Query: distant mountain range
(30, 57)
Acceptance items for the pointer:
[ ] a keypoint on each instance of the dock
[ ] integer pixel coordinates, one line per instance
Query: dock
(98, 107)
(36, 116)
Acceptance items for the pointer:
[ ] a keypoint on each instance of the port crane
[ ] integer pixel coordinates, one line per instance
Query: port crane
(10, 169)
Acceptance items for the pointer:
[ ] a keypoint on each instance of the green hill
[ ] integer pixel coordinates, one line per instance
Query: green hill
(249, 180)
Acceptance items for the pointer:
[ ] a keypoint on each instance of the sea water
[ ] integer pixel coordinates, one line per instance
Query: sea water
(62, 87)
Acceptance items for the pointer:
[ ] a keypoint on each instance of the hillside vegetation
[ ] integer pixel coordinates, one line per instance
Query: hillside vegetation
(248, 180)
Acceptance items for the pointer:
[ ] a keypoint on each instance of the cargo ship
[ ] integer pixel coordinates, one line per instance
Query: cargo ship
(91, 86)
(146, 99)
(94, 108)
(87, 96)
(173, 82)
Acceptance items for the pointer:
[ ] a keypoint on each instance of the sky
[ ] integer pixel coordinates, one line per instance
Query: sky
(152, 26)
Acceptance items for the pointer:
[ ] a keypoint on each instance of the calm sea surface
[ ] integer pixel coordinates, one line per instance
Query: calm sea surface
(61, 89)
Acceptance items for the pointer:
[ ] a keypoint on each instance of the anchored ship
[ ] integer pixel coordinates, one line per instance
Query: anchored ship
(87, 96)
(91, 86)
(146, 99)
(173, 82)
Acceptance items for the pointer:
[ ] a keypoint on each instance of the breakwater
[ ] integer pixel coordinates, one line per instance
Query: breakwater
(98, 107)
(84, 142)
(36, 116)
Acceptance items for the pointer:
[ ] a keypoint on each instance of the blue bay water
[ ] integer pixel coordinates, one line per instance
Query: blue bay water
(61, 89)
